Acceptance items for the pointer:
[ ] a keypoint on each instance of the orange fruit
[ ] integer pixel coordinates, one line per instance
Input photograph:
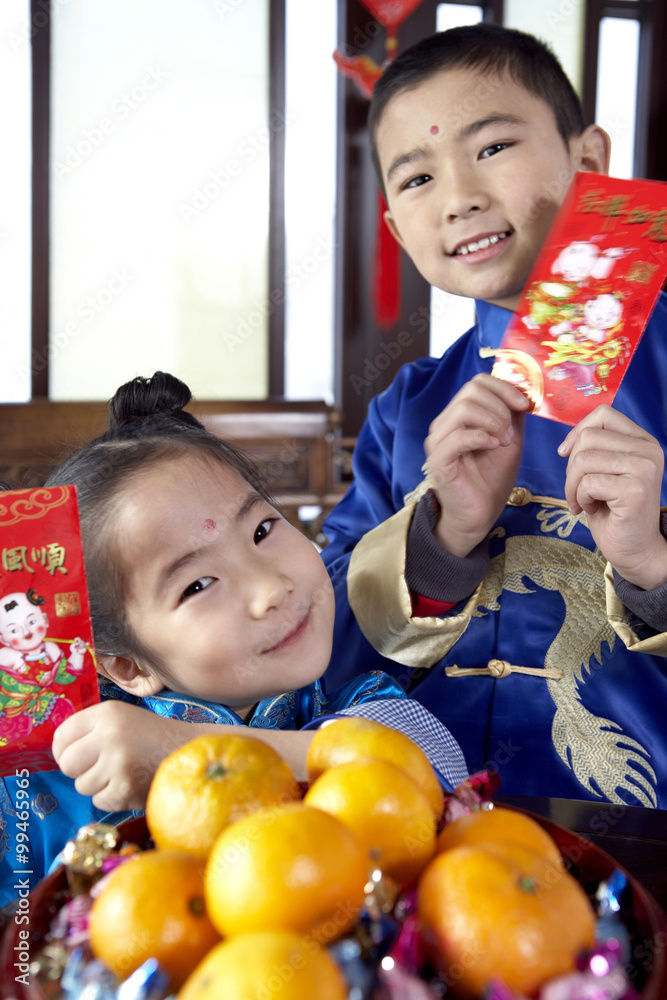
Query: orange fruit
(389, 814)
(484, 825)
(152, 906)
(349, 739)
(501, 910)
(290, 867)
(263, 966)
(210, 782)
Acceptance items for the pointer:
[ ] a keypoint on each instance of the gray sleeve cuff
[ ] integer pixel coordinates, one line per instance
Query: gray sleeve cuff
(430, 570)
(650, 606)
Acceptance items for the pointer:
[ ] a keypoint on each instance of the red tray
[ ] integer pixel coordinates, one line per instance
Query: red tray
(645, 920)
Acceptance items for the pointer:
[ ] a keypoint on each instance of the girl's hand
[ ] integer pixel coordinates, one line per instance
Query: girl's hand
(614, 474)
(112, 750)
(473, 453)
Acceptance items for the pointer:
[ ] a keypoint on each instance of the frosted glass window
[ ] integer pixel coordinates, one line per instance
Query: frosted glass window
(15, 194)
(451, 315)
(310, 200)
(160, 195)
(618, 58)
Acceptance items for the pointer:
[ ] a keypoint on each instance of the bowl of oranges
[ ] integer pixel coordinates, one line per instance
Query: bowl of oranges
(365, 883)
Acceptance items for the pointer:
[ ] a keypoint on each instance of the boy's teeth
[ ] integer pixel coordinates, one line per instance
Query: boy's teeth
(482, 244)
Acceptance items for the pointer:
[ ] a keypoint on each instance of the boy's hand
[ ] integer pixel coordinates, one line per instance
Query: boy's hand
(614, 474)
(113, 749)
(473, 452)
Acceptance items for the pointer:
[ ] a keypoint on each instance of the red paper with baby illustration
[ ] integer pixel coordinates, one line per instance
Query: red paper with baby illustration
(47, 667)
(589, 296)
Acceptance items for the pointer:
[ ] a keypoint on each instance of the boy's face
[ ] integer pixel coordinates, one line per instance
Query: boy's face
(22, 625)
(233, 603)
(475, 170)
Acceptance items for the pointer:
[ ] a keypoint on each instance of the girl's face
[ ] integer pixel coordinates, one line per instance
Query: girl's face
(233, 603)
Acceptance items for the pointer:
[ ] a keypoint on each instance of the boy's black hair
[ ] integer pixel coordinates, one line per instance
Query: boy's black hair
(491, 49)
(148, 424)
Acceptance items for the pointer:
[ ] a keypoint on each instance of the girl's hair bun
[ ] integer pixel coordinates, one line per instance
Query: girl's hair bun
(151, 401)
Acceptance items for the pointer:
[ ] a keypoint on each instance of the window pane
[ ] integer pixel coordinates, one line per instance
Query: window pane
(617, 89)
(15, 195)
(160, 193)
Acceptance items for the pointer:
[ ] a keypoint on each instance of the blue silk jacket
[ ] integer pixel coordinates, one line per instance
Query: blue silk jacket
(540, 674)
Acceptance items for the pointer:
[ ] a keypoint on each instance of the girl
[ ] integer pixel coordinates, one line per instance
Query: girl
(208, 608)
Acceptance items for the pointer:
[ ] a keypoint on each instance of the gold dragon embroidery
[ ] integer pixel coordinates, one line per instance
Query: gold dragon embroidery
(595, 748)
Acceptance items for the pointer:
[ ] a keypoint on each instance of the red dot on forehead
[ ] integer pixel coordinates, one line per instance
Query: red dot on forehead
(209, 524)
(434, 129)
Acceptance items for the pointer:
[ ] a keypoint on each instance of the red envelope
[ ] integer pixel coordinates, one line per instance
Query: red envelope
(589, 296)
(47, 664)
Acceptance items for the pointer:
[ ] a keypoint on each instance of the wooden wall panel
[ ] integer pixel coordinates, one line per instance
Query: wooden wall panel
(295, 444)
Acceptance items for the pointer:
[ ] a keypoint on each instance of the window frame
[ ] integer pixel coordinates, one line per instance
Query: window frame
(357, 338)
(40, 24)
(650, 155)
(40, 253)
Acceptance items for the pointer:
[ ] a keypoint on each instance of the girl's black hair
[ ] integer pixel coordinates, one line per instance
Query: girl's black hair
(490, 49)
(148, 424)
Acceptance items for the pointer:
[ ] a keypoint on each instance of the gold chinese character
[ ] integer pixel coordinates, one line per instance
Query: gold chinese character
(616, 204)
(641, 272)
(16, 559)
(638, 214)
(591, 201)
(658, 230)
(52, 556)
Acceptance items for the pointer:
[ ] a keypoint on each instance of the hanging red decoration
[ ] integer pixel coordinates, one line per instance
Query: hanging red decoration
(387, 283)
(390, 13)
(365, 73)
(362, 70)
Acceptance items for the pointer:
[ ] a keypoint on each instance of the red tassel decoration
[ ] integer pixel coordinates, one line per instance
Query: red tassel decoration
(387, 283)
(365, 72)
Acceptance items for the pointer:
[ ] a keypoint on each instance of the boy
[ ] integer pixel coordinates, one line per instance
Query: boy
(482, 587)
